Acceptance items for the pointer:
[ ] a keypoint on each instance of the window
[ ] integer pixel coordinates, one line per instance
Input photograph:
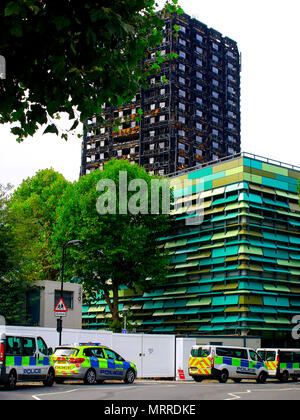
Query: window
(67, 296)
(94, 352)
(199, 75)
(200, 352)
(181, 159)
(230, 126)
(215, 82)
(114, 356)
(215, 58)
(152, 107)
(66, 351)
(42, 347)
(286, 357)
(254, 356)
(181, 133)
(199, 37)
(181, 146)
(152, 133)
(181, 80)
(182, 28)
(181, 119)
(29, 346)
(182, 42)
(162, 91)
(198, 126)
(215, 70)
(236, 353)
(181, 67)
(215, 132)
(182, 54)
(199, 139)
(199, 113)
(162, 118)
(199, 101)
(181, 106)
(162, 104)
(215, 107)
(199, 87)
(199, 152)
(199, 62)
(215, 120)
(181, 93)
(199, 50)
(215, 46)
(13, 346)
(230, 89)
(215, 95)
(230, 66)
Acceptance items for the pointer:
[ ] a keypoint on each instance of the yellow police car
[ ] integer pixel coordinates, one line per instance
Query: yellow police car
(91, 363)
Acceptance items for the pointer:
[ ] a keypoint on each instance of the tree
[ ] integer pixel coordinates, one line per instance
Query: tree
(67, 56)
(120, 247)
(13, 287)
(4, 230)
(32, 216)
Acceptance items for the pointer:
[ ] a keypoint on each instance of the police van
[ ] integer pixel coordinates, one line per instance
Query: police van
(282, 364)
(220, 362)
(24, 358)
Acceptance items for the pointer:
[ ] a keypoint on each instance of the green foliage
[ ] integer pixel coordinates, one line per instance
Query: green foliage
(119, 249)
(13, 286)
(31, 217)
(64, 56)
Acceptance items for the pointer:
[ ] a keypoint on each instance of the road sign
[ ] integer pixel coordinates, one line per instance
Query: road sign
(60, 308)
(124, 331)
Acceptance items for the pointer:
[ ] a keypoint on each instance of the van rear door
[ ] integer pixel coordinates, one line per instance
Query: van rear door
(200, 361)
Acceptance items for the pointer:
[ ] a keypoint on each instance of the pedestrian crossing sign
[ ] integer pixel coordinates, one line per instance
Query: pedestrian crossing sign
(60, 306)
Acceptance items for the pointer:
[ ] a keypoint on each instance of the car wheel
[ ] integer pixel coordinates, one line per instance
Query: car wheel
(284, 377)
(50, 378)
(197, 379)
(223, 377)
(129, 377)
(90, 377)
(11, 381)
(262, 377)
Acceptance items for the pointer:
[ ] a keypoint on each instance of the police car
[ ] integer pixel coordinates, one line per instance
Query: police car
(24, 358)
(91, 363)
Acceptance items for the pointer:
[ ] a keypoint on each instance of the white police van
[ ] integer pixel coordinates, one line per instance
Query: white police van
(223, 362)
(24, 358)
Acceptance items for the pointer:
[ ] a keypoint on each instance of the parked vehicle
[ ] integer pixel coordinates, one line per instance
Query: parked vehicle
(222, 362)
(91, 363)
(24, 358)
(282, 364)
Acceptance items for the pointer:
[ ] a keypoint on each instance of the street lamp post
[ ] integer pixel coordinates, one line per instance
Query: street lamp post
(65, 245)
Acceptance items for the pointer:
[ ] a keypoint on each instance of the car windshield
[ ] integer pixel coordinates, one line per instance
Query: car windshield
(65, 351)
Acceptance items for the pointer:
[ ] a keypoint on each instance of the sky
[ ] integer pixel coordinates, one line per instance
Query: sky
(267, 34)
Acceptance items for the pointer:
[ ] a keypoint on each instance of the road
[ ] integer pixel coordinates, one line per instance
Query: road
(158, 391)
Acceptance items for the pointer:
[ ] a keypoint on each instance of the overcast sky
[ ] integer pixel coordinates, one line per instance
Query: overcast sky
(267, 33)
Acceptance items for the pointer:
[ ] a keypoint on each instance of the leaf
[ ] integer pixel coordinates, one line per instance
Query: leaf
(51, 129)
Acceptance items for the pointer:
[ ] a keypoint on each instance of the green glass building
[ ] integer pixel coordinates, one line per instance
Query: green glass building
(234, 255)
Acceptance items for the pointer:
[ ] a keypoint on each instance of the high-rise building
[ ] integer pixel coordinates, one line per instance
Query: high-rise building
(235, 272)
(191, 107)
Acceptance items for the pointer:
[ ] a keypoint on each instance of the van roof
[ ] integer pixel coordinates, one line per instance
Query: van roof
(216, 345)
(276, 349)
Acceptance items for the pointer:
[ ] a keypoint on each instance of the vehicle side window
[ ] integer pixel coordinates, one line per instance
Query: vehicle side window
(112, 355)
(13, 346)
(240, 354)
(254, 356)
(42, 346)
(225, 352)
(29, 346)
(297, 357)
(286, 357)
(98, 352)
